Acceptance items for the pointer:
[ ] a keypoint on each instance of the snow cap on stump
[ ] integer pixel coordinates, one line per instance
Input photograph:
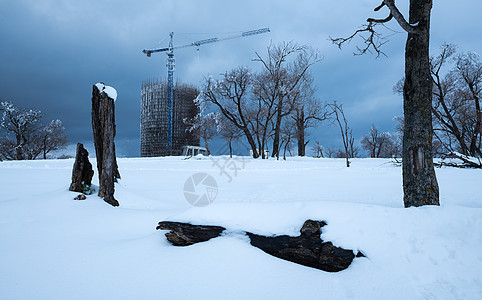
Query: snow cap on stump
(110, 91)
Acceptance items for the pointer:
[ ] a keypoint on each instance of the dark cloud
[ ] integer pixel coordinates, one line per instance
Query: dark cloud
(53, 51)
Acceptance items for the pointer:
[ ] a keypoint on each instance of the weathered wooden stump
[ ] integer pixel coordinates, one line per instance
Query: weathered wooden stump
(103, 126)
(82, 171)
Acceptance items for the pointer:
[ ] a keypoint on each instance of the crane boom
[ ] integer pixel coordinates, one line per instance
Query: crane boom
(207, 41)
(171, 64)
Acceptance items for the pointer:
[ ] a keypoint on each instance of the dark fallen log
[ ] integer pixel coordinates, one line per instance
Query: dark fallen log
(308, 249)
(183, 234)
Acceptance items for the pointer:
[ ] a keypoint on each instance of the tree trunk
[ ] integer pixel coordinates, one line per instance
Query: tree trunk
(206, 145)
(300, 127)
(103, 125)
(474, 148)
(286, 146)
(251, 142)
(277, 129)
(44, 149)
(419, 182)
(230, 149)
(18, 149)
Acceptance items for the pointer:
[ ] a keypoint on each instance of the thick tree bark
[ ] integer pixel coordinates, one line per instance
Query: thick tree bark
(419, 181)
(103, 125)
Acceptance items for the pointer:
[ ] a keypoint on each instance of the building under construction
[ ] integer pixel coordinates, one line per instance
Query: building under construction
(155, 118)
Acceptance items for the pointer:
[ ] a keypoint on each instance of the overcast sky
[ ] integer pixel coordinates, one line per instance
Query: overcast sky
(53, 51)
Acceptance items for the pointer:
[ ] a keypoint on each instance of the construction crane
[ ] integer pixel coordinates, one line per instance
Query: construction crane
(171, 64)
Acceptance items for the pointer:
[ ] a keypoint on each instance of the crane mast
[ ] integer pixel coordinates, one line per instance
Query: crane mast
(170, 64)
(170, 91)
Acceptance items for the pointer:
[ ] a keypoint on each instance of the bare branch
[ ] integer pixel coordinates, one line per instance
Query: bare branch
(400, 18)
(374, 40)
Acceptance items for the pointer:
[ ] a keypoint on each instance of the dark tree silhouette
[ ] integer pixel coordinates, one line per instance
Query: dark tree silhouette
(420, 185)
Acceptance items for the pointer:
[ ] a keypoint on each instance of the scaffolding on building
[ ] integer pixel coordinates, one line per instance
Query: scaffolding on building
(156, 118)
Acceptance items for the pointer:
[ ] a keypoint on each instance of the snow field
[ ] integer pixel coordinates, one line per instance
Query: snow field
(56, 248)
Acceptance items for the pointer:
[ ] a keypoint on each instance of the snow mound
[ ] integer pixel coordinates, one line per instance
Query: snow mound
(110, 91)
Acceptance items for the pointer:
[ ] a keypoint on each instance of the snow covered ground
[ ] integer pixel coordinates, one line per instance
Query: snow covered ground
(52, 247)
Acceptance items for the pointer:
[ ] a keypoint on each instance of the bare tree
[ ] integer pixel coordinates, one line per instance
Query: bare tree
(288, 132)
(231, 96)
(8, 149)
(229, 132)
(262, 114)
(318, 149)
(52, 138)
(331, 152)
(307, 112)
(345, 130)
(30, 138)
(378, 144)
(284, 78)
(456, 102)
(419, 181)
(205, 124)
(22, 124)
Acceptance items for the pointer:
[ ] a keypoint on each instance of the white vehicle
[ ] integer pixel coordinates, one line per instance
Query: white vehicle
(189, 151)
(266, 152)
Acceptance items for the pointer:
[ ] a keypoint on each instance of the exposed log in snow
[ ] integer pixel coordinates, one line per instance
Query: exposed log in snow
(184, 234)
(308, 249)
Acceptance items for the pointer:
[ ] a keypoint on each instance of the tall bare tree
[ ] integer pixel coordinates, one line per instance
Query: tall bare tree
(264, 110)
(318, 149)
(23, 124)
(307, 112)
(419, 181)
(284, 77)
(456, 102)
(231, 95)
(229, 132)
(379, 144)
(51, 138)
(345, 130)
(30, 138)
(288, 132)
(204, 124)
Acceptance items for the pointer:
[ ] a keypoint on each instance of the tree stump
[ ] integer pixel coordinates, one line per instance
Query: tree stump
(82, 171)
(103, 126)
